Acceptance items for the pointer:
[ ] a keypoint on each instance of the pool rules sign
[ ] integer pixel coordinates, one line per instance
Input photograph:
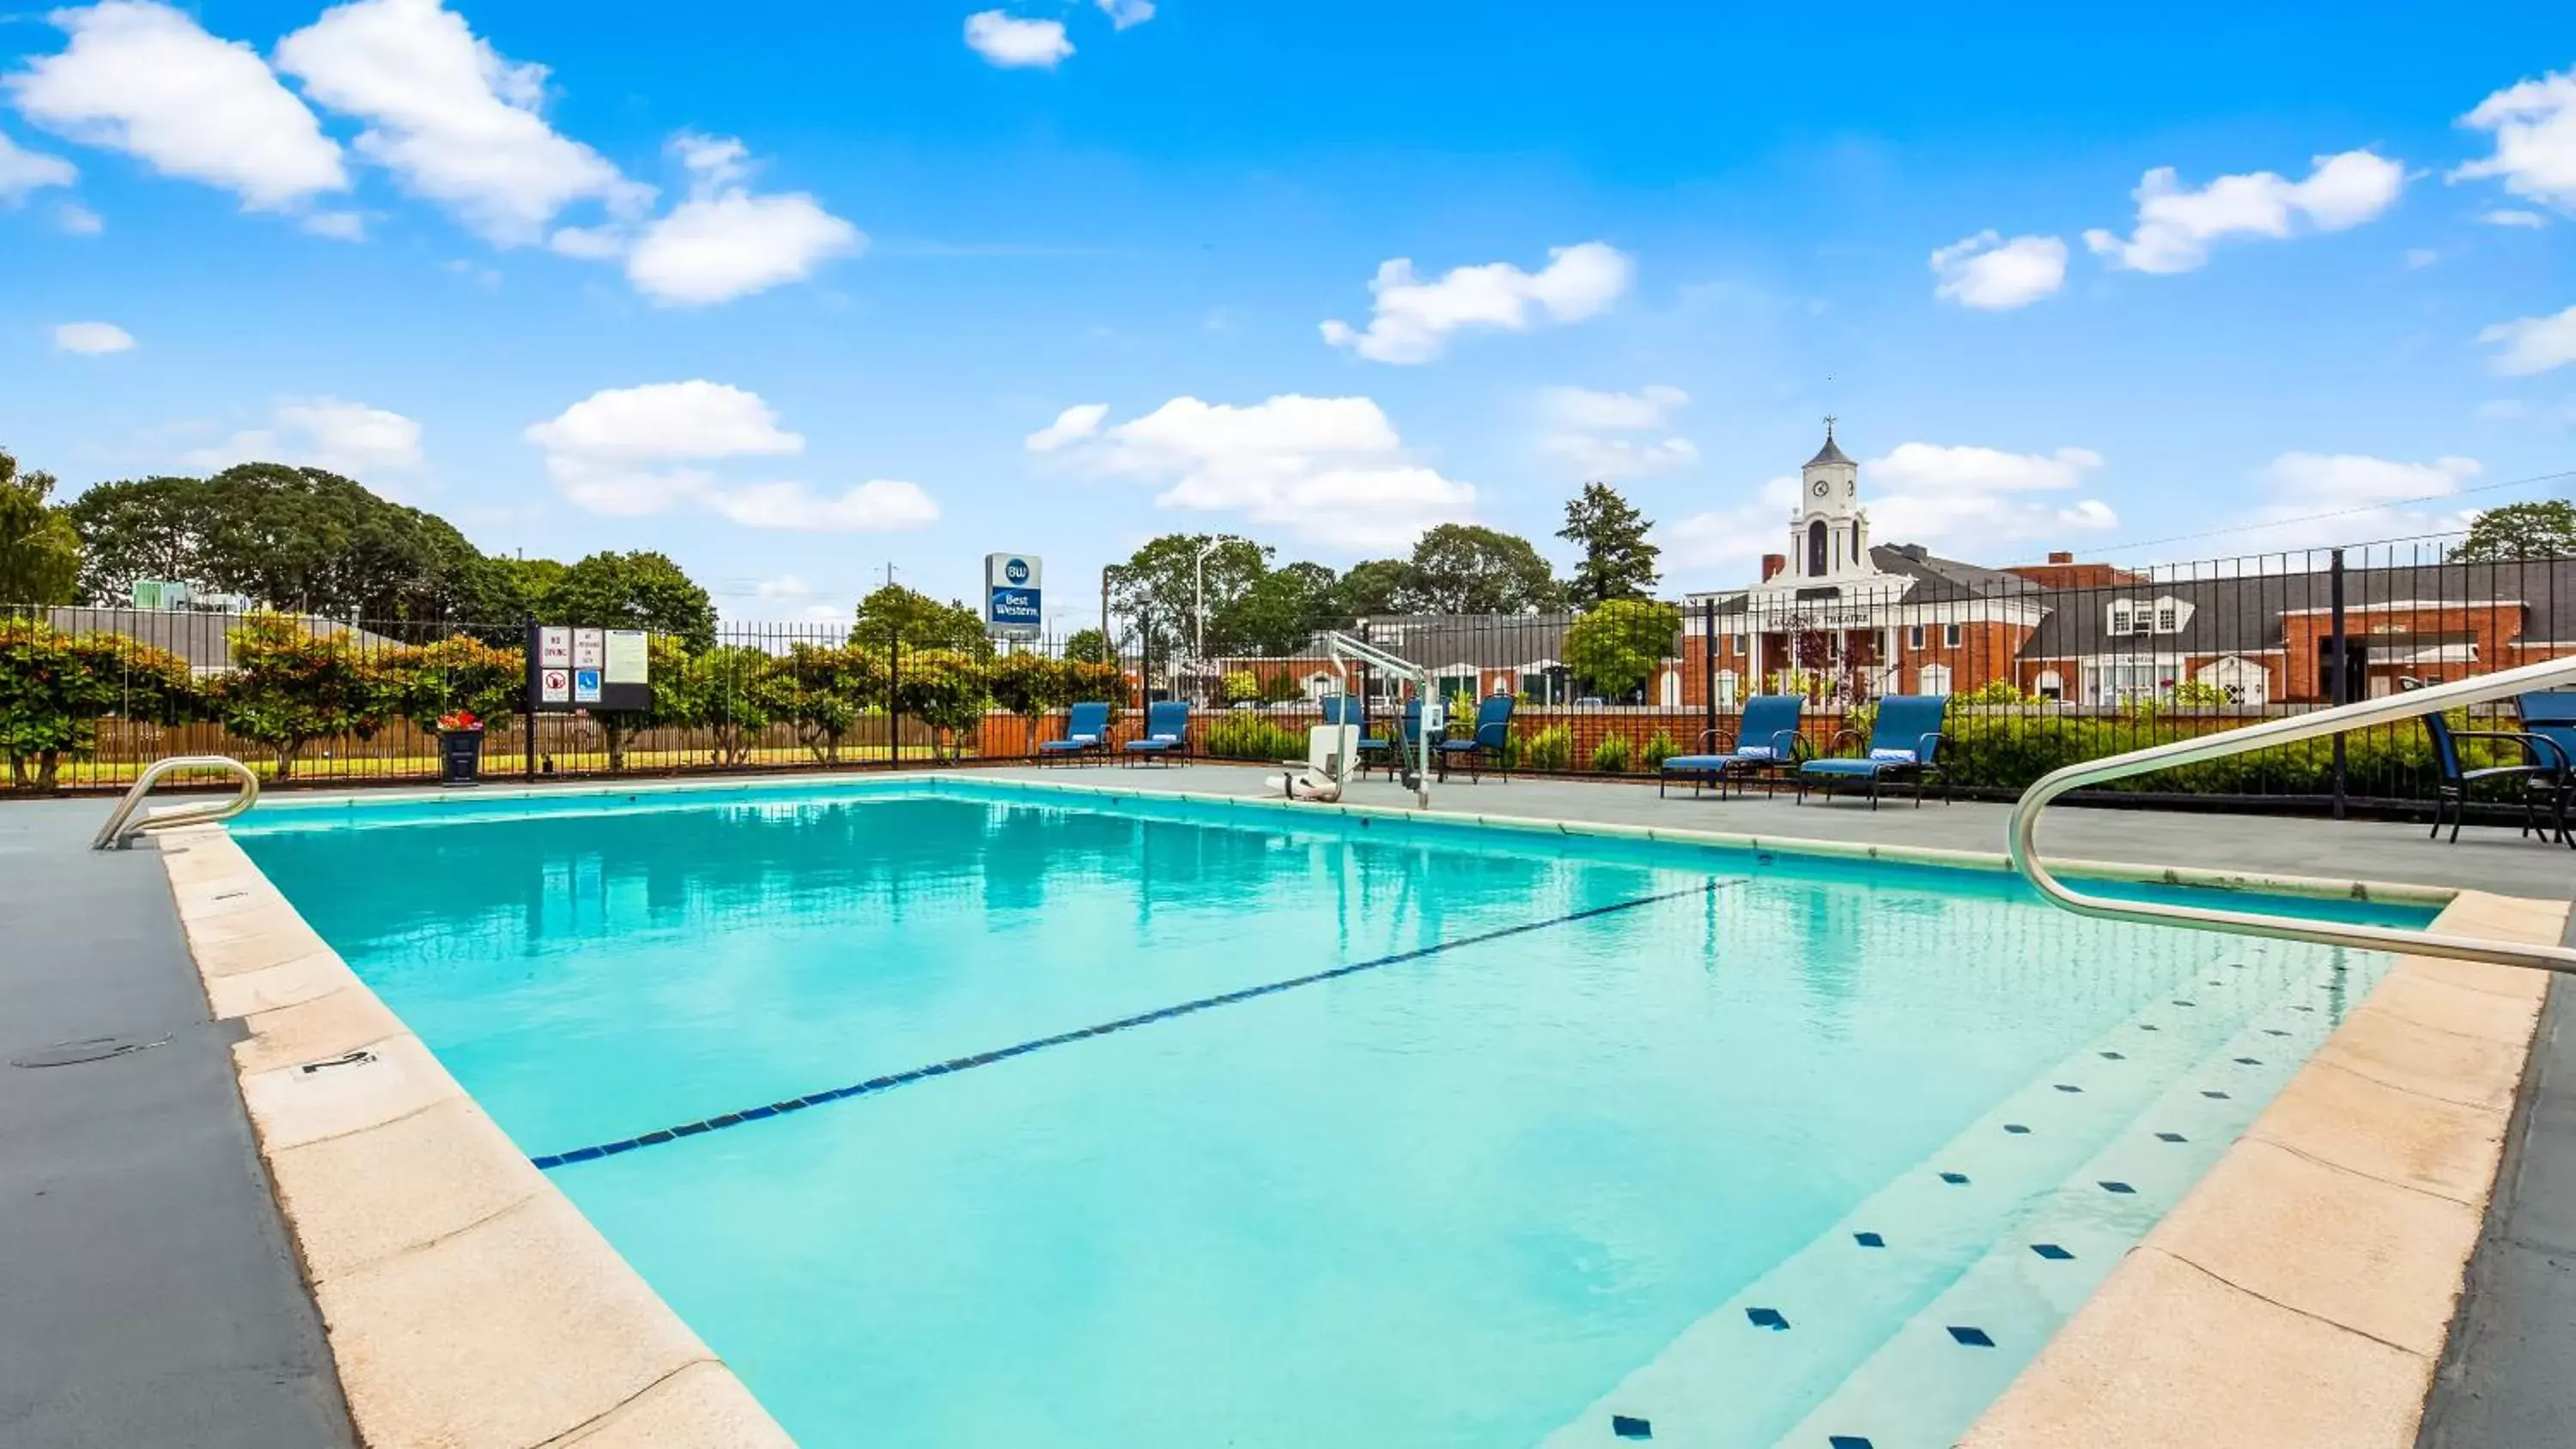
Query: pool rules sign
(586, 669)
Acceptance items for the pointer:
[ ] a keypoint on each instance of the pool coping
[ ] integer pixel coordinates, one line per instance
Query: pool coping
(2304, 1290)
(2265, 883)
(466, 1302)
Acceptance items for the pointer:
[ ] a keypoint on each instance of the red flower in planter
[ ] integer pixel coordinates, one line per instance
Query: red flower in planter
(459, 722)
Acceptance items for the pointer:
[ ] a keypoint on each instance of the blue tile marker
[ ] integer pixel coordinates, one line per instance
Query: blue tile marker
(2068, 1087)
(1628, 1426)
(1869, 1240)
(1847, 1441)
(1955, 1179)
(1971, 1337)
(2051, 1252)
(2117, 1187)
(1769, 1318)
(2170, 1137)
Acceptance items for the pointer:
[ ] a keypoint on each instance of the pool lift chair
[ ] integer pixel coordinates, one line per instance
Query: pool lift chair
(1414, 764)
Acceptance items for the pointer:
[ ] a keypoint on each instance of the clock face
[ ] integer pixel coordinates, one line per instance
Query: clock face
(1821, 486)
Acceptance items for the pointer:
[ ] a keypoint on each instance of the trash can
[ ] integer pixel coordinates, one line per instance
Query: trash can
(462, 754)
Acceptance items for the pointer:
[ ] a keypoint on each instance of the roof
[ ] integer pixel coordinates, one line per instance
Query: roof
(1939, 580)
(203, 640)
(2242, 613)
(1831, 452)
(1486, 641)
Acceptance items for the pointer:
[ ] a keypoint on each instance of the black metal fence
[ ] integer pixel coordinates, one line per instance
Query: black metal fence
(2044, 664)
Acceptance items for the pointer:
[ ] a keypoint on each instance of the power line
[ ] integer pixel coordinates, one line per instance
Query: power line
(2335, 513)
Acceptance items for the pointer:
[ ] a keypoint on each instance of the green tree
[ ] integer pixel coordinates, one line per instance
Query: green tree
(56, 687)
(1028, 684)
(1374, 586)
(1618, 562)
(830, 690)
(741, 691)
(2546, 529)
(1464, 568)
(1617, 646)
(1089, 646)
(1280, 613)
(640, 590)
(292, 538)
(947, 690)
(40, 552)
(1159, 586)
(290, 686)
(459, 673)
(499, 592)
(917, 621)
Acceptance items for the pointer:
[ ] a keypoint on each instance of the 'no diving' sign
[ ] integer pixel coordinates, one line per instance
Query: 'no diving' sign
(555, 686)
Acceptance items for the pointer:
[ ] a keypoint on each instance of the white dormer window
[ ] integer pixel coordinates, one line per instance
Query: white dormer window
(2166, 615)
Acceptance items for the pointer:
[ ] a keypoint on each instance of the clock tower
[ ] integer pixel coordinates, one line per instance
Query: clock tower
(1828, 533)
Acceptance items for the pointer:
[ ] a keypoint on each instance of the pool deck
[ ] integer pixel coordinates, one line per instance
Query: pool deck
(163, 1302)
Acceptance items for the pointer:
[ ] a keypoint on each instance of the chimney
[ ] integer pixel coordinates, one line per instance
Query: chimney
(1774, 565)
(2060, 556)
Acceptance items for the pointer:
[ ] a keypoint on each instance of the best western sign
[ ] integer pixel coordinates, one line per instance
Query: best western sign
(1011, 594)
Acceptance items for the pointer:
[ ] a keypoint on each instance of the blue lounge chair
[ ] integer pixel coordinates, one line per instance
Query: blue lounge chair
(2543, 771)
(1167, 733)
(1904, 745)
(1086, 732)
(1493, 732)
(1766, 740)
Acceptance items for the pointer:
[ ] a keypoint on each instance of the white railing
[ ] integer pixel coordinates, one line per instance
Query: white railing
(117, 833)
(2394, 708)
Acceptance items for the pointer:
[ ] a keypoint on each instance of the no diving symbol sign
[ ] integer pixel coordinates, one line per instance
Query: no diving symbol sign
(555, 686)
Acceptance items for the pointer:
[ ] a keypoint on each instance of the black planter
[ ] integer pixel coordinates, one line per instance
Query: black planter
(460, 754)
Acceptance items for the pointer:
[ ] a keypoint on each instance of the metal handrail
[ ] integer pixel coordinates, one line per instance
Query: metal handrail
(116, 833)
(2025, 823)
(1344, 646)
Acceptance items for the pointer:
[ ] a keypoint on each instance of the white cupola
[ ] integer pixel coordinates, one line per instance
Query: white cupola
(1828, 531)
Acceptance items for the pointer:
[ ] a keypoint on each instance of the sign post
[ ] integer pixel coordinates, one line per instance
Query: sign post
(1012, 595)
(573, 670)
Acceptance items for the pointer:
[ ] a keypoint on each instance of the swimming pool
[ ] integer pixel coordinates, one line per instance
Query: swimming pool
(953, 1113)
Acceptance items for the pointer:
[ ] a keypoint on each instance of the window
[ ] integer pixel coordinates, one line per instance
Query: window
(1816, 549)
(1950, 636)
(2051, 685)
(1727, 685)
(2167, 621)
(1935, 679)
(1914, 636)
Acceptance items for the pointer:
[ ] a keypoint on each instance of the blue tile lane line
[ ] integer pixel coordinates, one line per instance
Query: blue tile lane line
(874, 1085)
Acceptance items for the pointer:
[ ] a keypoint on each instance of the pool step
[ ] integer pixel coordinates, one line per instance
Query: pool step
(1749, 1370)
(1930, 1380)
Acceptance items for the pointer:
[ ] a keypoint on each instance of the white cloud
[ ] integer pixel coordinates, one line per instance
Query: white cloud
(1014, 43)
(782, 588)
(2514, 216)
(450, 118)
(143, 78)
(629, 452)
(1330, 469)
(346, 226)
(2532, 344)
(1988, 273)
(2313, 500)
(93, 338)
(1978, 499)
(1072, 425)
(2176, 227)
(22, 171)
(1411, 319)
(1728, 541)
(715, 248)
(2418, 258)
(588, 243)
(78, 220)
(1583, 428)
(348, 438)
(1123, 13)
(2535, 139)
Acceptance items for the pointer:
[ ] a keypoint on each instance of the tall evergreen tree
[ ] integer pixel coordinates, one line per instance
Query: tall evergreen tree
(1618, 562)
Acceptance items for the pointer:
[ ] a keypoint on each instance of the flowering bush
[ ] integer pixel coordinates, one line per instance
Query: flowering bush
(460, 721)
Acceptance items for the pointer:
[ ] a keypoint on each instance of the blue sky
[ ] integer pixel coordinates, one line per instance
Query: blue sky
(800, 292)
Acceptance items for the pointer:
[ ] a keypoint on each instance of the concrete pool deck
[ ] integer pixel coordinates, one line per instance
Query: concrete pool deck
(106, 1352)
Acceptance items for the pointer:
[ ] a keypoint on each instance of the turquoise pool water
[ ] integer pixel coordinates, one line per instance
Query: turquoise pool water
(1513, 1172)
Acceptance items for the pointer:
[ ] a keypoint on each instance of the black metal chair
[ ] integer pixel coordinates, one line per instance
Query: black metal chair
(2544, 774)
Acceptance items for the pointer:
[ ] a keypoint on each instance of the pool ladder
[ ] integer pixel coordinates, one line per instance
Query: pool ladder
(2483, 689)
(122, 827)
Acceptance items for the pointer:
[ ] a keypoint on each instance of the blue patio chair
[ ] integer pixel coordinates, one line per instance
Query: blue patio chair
(1493, 734)
(1086, 732)
(1904, 746)
(1766, 740)
(1167, 733)
(2543, 772)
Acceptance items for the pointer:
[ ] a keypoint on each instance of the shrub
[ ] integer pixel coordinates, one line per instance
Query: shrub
(1612, 755)
(1253, 737)
(1238, 685)
(2193, 694)
(1549, 749)
(1658, 750)
(1993, 691)
(54, 688)
(290, 686)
